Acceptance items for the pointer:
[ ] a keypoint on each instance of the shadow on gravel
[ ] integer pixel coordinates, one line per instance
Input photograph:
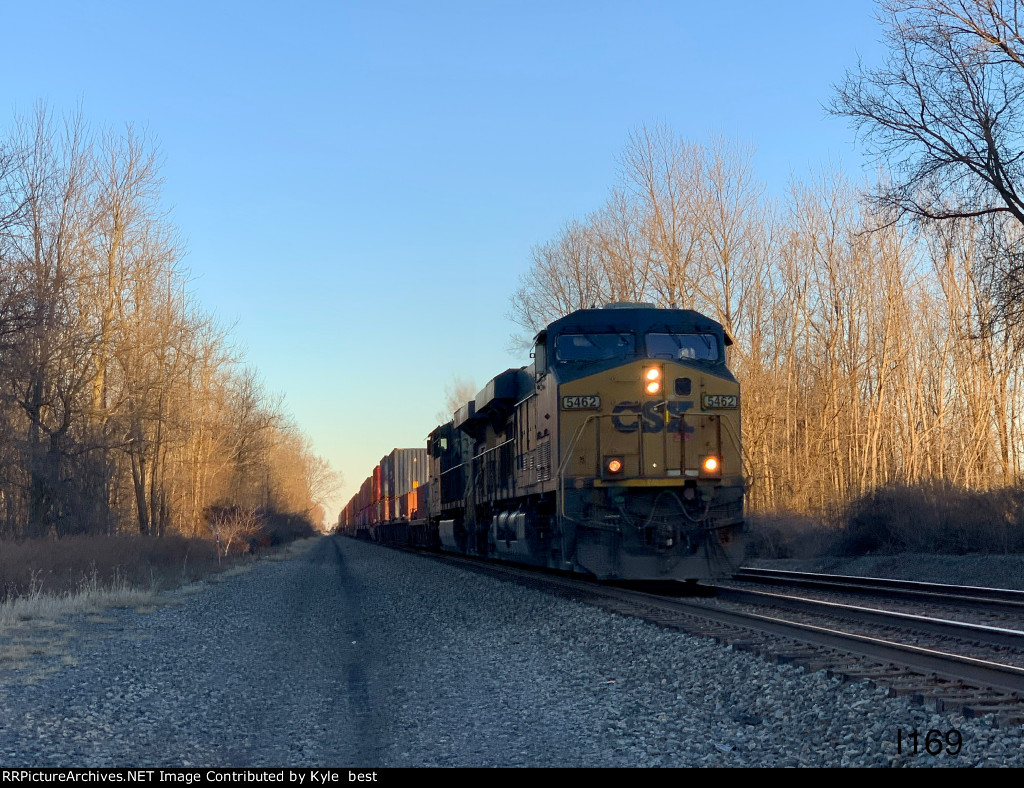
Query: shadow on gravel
(366, 719)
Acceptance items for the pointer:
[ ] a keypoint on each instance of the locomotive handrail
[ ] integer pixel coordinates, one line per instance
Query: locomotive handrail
(565, 459)
(561, 474)
(735, 438)
(597, 416)
(473, 470)
(572, 445)
(494, 448)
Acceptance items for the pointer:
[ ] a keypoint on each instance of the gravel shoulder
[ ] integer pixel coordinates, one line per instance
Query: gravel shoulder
(353, 655)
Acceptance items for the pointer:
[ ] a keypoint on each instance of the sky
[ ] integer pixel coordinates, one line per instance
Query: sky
(360, 183)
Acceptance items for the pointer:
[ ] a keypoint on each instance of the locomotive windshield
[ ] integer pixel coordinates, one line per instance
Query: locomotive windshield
(595, 346)
(683, 347)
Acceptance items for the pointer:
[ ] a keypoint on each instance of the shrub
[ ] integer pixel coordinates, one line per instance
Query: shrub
(787, 535)
(250, 529)
(282, 528)
(934, 517)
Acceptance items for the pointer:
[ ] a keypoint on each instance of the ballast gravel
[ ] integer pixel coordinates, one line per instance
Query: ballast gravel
(353, 655)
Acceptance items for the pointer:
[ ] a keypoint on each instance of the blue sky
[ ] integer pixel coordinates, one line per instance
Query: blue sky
(360, 183)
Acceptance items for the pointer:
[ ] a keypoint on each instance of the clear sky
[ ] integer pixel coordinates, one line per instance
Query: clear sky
(360, 182)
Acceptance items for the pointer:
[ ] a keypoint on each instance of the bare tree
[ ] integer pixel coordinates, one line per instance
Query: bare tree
(233, 525)
(457, 392)
(566, 275)
(48, 371)
(946, 114)
(121, 404)
(662, 173)
(734, 228)
(946, 109)
(868, 355)
(622, 248)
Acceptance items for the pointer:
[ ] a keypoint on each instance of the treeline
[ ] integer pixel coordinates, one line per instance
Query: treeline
(123, 405)
(870, 352)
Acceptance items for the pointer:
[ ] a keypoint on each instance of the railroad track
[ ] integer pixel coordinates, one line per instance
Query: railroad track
(941, 663)
(1008, 637)
(999, 600)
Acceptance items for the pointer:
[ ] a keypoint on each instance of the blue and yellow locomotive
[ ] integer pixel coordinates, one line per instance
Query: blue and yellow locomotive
(616, 453)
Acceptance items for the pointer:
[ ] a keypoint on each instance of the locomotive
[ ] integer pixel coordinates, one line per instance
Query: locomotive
(615, 453)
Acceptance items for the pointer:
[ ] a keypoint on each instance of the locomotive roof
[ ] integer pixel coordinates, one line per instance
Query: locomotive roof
(640, 318)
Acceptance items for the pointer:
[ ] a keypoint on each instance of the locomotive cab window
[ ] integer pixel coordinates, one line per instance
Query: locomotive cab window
(682, 347)
(595, 346)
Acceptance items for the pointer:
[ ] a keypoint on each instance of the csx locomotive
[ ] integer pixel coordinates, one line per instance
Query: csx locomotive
(616, 453)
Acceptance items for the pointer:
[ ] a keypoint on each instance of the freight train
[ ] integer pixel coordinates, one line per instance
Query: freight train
(615, 453)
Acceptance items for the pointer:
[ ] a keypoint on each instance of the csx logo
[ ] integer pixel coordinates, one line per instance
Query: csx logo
(654, 416)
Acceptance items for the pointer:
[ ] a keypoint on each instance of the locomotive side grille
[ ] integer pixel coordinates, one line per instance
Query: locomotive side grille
(544, 461)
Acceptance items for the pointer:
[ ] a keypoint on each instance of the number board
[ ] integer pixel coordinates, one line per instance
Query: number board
(581, 402)
(711, 401)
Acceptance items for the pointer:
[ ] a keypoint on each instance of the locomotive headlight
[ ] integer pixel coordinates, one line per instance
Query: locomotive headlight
(652, 380)
(710, 465)
(614, 465)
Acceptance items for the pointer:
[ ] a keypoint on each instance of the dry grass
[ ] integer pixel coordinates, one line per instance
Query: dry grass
(293, 549)
(231, 571)
(33, 625)
(46, 583)
(89, 598)
(88, 563)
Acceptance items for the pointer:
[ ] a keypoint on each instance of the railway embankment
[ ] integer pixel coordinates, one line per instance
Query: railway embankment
(355, 654)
